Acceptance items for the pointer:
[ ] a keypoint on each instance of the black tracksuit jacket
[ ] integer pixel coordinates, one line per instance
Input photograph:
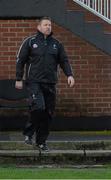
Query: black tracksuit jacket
(42, 57)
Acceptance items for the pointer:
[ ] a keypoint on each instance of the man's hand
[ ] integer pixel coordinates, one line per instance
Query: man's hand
(71, 81)
(19, 84)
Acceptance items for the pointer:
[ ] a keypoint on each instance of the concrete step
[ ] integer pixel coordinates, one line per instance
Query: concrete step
(72, 157)
(69, 148)
(58, 145)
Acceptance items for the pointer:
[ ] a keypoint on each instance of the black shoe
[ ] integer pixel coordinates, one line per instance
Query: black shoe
(43, 147)
(28, 140)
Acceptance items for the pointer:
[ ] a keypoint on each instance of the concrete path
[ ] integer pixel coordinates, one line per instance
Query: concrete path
(60, 136)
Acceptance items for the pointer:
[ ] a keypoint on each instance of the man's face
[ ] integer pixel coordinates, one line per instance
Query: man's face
(45, 27)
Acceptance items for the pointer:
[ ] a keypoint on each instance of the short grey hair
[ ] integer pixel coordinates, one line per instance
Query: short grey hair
(44, 18)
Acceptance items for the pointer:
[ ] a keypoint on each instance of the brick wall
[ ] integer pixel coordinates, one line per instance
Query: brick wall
(91, 95)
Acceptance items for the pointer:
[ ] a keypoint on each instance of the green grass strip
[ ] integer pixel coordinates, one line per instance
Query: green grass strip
(44, 173)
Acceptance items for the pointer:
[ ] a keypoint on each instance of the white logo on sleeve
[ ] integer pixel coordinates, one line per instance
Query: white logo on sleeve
(35, 46)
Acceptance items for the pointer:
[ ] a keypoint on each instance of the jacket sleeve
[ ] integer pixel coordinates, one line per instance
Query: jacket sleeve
(63, 61)
(22, 58)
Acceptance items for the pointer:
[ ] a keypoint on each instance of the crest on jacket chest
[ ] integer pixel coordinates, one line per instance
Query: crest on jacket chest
(54, 46)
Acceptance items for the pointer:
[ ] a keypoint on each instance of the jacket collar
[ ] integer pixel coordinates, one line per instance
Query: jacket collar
(41, 35)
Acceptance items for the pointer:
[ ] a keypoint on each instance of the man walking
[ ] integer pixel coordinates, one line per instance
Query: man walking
(42, 54)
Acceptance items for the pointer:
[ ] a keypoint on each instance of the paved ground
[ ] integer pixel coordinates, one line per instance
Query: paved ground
(60, 136)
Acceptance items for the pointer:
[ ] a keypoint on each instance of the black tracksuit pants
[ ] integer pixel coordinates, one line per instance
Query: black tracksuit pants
(42, 98)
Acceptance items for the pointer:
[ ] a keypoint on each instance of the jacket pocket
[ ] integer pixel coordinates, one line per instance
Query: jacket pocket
(53, 51)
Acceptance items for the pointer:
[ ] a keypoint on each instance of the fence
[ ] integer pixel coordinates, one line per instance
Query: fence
(101, 8)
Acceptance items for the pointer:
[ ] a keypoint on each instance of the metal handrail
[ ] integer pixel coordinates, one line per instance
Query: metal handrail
(101, 8)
